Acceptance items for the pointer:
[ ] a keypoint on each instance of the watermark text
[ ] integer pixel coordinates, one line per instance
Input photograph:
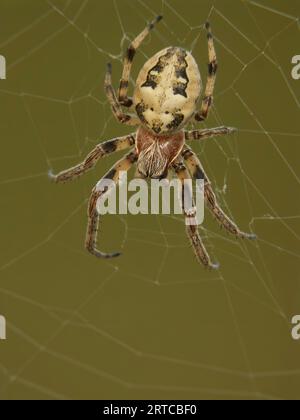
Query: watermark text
(296, 68)
(153, 197)
(2, 67)
(2, 328)
(296, 327)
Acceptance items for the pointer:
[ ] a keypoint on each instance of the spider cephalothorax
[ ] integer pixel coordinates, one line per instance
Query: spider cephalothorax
(165, 99)
(157, 152)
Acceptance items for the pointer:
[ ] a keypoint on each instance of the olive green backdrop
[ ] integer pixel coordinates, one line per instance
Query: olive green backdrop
(153, 323)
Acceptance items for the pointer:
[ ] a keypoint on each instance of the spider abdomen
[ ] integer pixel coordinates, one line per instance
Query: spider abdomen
(167, 90)
(157, 152)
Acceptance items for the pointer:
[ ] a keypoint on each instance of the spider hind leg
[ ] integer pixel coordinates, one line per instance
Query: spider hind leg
(117, 100)
(211, 78)
(127, 63)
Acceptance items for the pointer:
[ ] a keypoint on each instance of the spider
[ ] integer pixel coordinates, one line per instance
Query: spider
(165, 99)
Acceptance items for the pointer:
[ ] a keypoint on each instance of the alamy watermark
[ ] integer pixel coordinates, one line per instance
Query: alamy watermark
(2, 67)
(133, 197)
(296, 68)
(296, 327)
(2, 328)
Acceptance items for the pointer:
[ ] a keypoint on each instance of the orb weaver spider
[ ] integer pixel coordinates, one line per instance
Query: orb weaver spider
(165, 99)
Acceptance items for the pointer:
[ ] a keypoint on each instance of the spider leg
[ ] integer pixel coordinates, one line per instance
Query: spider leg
(127, 63)
(198, 172)
(114, 103)
(93, 215)
(209, 132)
(192, 229)
(211, 78)
(90, 161)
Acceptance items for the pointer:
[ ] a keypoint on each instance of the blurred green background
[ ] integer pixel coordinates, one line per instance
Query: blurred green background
(153, 323)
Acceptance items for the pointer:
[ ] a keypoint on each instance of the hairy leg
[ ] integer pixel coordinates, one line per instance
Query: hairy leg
(93, 215)
(127, 63)
(211, 78)
(198, 172)
(116, 107)
(192, 228)
(102, 149)
(208, 132)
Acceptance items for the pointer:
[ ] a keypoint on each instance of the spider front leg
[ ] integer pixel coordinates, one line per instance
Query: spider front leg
(211, 78)
(192, 228)
(93, 215)
(198, 172)
(101, 150)
(127, 63)
(209, 132)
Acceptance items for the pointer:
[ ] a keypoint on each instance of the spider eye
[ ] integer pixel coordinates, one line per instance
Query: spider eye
(151, 109)
(167, 112)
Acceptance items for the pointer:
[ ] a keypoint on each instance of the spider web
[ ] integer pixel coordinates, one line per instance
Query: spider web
(152, 324)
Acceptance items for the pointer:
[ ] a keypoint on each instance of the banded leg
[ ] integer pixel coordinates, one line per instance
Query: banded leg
(211, 78)
(93, 216)
(192, 228)
(114, 103)
(207, 133)
(198, 172)
(102, 149)
(127, 63)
